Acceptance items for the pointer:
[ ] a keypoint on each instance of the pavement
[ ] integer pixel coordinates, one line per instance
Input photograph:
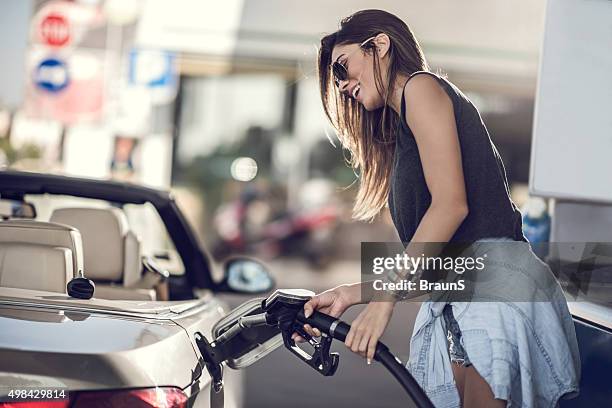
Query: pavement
(282, 380)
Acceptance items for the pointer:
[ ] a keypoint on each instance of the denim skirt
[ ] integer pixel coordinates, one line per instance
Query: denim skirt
(524, 347)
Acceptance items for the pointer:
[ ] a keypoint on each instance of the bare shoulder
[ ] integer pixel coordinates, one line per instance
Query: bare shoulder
(424, 94)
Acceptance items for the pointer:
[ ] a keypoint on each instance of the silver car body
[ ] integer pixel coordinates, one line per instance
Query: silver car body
(51, 340)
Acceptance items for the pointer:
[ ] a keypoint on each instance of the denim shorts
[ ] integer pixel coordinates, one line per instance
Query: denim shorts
(525, 350)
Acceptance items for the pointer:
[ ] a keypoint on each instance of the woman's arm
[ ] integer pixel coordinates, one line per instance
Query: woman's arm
(431, 118)
(430, 115)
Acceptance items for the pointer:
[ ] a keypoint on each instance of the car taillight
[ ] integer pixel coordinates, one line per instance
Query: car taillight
(36, 404)
(161, 397)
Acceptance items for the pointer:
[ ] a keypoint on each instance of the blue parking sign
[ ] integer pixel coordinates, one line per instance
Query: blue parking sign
(153, 68)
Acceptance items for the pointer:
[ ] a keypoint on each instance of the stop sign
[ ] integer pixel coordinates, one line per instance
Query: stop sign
(55, 30)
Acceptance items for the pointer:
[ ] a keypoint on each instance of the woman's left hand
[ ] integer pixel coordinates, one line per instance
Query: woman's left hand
(368, 327)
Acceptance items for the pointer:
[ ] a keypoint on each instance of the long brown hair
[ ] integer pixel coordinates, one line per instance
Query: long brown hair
(369, 135)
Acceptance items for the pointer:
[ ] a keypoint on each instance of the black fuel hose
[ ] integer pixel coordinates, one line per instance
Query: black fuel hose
(339, 330)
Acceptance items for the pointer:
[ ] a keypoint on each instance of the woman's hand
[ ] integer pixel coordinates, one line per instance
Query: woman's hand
(333, 302)
(368, 327)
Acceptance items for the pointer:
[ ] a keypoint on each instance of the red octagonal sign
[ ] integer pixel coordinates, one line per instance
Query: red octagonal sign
(55, 30)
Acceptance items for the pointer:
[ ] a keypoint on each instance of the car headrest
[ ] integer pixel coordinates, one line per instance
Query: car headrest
(108, 245)
(44, 233)
(35, 266)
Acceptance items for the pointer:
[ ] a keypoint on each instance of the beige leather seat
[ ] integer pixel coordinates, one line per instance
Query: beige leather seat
(37, 267)
(44, 233)
(39, 255)
(112, 256)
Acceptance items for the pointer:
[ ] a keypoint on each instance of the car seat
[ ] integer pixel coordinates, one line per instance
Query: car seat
(112, 256)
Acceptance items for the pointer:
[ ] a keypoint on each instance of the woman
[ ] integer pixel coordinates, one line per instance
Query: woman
(421, 148)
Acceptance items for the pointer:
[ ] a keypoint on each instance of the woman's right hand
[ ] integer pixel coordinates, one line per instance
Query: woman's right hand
(333, 302)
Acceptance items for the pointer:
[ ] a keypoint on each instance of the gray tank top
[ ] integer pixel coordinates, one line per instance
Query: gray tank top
(492, 213)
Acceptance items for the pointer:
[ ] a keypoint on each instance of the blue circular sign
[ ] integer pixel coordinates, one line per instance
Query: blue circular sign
(51, 75)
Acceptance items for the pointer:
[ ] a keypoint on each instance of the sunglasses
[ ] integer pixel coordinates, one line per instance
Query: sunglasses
(339, 70)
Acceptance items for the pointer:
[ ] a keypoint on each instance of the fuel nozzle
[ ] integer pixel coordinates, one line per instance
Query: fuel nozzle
(282, 309)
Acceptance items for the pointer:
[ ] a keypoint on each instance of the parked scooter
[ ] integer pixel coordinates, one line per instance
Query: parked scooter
(257, 327)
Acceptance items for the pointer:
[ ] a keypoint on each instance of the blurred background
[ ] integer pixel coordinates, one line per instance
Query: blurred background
(218, 102)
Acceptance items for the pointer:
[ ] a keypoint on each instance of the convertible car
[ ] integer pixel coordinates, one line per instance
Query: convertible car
(140, 341)
(132, 344)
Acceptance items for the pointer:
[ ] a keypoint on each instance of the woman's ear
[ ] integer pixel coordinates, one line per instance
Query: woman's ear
(382, 42)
